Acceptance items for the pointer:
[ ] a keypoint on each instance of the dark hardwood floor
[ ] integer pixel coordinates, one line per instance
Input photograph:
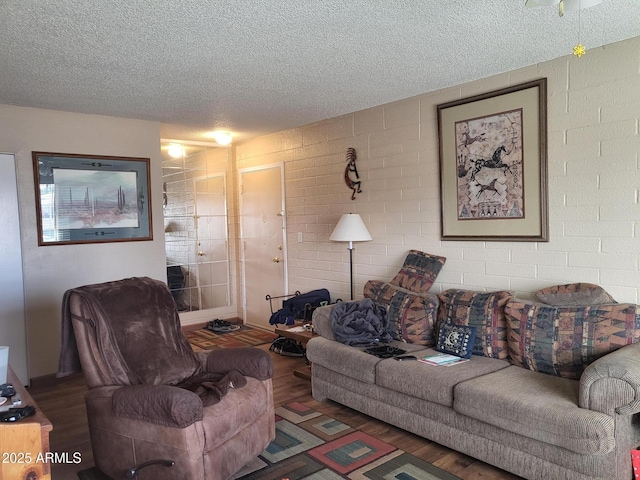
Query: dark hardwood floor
(62, 401)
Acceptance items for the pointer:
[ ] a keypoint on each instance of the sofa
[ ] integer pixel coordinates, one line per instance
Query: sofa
(551, 390)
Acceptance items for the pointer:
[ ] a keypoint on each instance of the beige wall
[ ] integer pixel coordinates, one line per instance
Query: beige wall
(50, 271)
(594, 181)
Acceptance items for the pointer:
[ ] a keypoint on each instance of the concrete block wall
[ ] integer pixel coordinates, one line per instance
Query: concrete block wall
(594, 186)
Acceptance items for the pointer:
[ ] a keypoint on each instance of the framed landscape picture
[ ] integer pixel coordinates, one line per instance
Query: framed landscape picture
(493, 165)
(91, 199)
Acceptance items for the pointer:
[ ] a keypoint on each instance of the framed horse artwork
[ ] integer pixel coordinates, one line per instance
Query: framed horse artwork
(493, 165)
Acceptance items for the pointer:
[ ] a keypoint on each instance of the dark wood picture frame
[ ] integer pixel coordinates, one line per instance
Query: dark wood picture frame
(493, 165)
(91, 198)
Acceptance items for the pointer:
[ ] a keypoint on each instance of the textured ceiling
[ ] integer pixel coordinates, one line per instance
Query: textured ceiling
(259, 66)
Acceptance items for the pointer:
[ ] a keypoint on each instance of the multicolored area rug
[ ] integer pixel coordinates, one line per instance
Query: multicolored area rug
(312, 446)
(245, 337)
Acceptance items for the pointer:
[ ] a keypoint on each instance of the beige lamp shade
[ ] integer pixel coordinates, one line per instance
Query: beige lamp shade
(350, 228)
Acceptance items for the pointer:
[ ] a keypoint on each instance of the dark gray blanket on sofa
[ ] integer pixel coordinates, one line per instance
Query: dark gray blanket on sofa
(362, 323)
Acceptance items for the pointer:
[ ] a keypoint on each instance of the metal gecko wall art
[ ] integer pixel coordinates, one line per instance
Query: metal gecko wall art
(350, 169)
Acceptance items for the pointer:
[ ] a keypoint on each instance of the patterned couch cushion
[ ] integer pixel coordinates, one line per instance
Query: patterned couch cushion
(482, 310)
(574, 294)
(562, 341)
(418, 272)
(412, 317)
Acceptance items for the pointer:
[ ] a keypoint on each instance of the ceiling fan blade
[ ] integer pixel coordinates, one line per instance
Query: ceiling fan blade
(541, 3)
(569, 5)
(573, 5)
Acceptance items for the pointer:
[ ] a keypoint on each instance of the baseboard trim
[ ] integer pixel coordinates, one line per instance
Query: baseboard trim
(51, 379)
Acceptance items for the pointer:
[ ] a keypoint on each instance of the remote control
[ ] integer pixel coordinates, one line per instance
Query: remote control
(404, 358)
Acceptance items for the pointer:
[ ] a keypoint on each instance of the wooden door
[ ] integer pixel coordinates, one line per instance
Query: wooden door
(262, 224)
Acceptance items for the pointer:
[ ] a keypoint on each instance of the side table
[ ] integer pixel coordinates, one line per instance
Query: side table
(25, 443)
(302, 338)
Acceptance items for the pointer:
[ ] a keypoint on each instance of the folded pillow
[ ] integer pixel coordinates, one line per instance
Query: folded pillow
(418, 272)
(574, 294)
(412, 317)
(456, 340)
(482, 310)
(563, 340)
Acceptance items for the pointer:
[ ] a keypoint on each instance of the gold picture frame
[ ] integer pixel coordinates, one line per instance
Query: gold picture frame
(493, 165)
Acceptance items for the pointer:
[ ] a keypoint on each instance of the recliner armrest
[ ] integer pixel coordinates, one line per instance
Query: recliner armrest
(611, 384)
(160, 404)
(250, 362)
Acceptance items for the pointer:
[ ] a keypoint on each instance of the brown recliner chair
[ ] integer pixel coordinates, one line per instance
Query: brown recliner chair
(152, 399)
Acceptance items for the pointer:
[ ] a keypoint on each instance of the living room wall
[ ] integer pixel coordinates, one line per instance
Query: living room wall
(49, 271)
(594, 181)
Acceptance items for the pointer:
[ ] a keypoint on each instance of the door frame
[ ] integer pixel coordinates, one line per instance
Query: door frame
(285, 255)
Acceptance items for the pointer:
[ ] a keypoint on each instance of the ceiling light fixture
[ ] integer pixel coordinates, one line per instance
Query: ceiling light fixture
(175, 151)
(222, 137)
(568, 6)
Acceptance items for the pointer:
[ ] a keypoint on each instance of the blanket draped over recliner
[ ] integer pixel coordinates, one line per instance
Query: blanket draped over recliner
(362, 323)
(124, 314)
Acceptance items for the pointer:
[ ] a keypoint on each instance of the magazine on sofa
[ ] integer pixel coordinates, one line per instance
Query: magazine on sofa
(442, 360)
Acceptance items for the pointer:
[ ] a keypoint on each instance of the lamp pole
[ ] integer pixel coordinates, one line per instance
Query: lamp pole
(351, 266)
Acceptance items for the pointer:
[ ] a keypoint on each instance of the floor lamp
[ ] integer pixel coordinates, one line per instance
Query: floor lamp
(350, 228)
